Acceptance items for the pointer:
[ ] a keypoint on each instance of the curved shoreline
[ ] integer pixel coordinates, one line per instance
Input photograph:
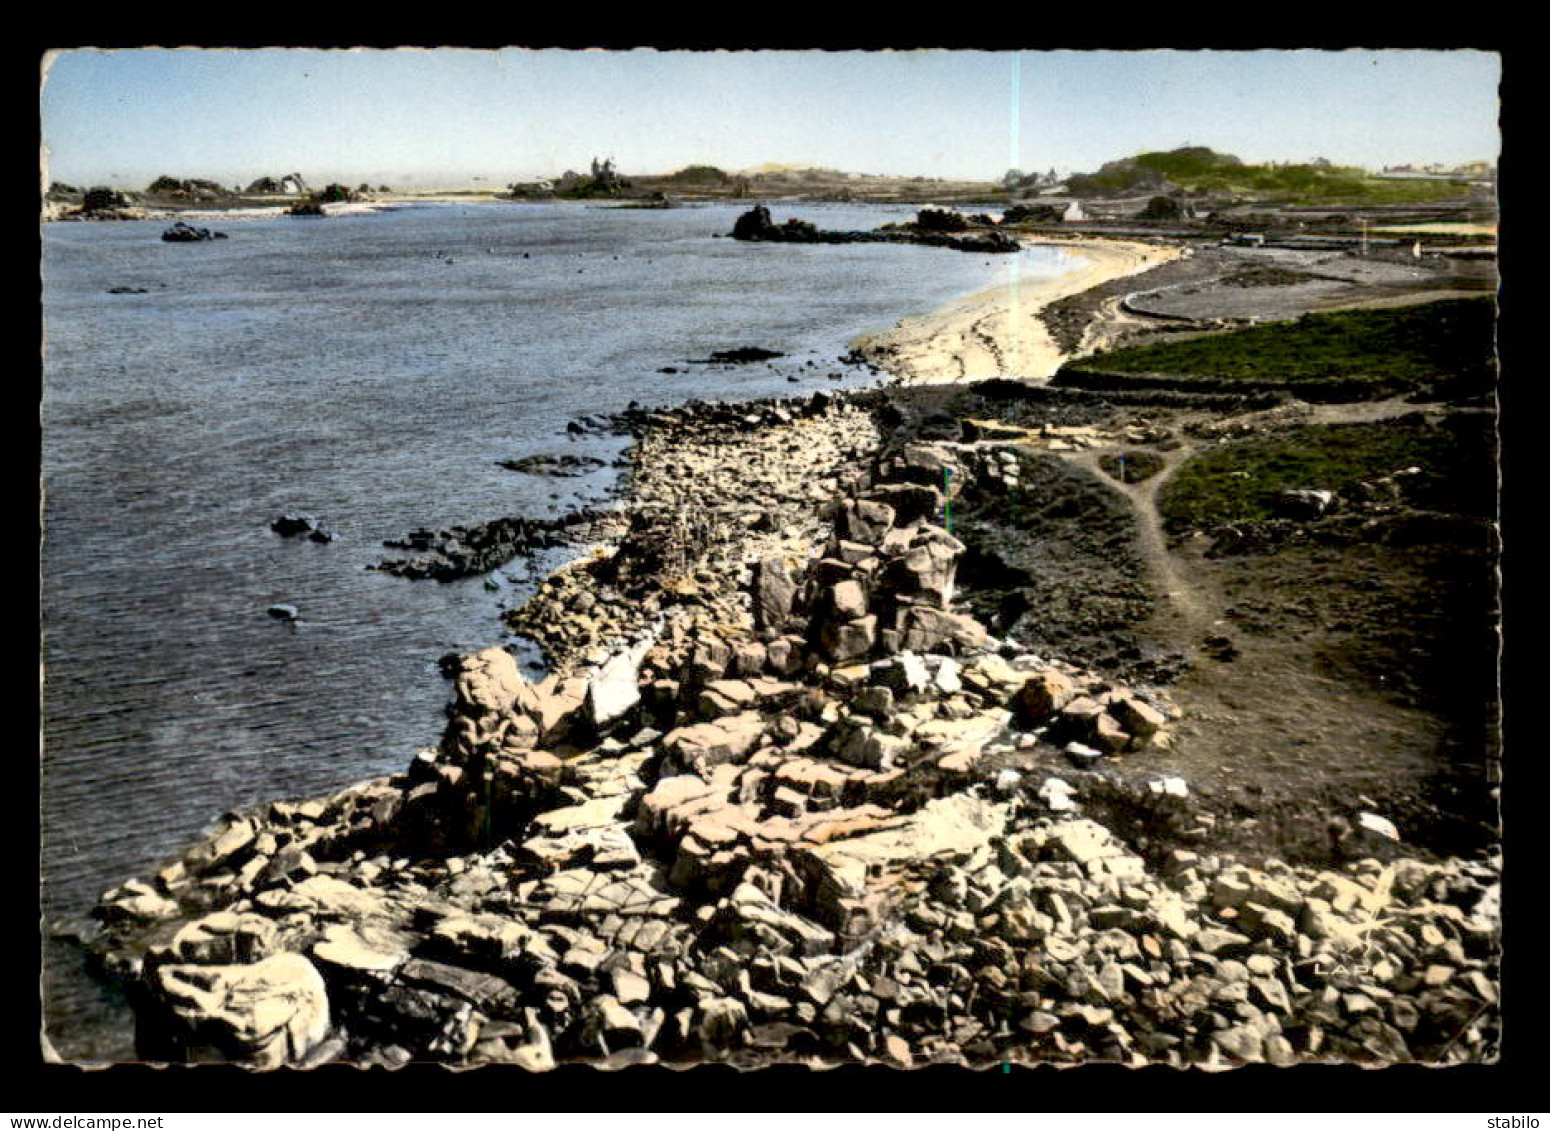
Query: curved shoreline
(998, 332)
(385, 901)
(687, 849)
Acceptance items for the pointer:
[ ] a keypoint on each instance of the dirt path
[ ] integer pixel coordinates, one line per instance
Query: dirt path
(1278, 729)
(1111, 325)
(1191, 608)
(1366, 412)
(1187, 611)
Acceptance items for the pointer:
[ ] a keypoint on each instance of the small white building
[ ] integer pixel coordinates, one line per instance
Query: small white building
(1074, 213)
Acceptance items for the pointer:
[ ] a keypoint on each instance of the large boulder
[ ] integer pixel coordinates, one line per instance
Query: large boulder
(774, 592)
(848, 879)
(224, 937)
(1301, 503)
(862, 743)
(614, 689)
(904, 674)
(925, 629)
(847, 599)
(186, 233)
(755, 224)
(555, 702)
(928, 569)
(1140, 719)
(701, 747)
(269, 1013)
(910, 502)
(844, 641)
(864, 521)
(487, 683)
(1045, 694)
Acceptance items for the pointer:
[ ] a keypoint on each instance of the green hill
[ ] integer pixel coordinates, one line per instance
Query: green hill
(1190, 163)
(1200, 170)
(699, 175)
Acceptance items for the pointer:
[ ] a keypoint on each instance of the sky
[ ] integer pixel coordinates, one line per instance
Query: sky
(447, 116)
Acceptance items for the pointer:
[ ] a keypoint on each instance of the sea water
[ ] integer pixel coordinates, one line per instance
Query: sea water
(372, 370)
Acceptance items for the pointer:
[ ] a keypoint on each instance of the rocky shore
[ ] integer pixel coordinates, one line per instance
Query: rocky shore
(782, 799)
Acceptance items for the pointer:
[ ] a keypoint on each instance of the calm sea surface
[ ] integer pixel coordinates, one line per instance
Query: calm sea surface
(371, 370)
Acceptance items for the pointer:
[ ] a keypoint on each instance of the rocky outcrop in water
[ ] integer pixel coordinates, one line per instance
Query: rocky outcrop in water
(743, 355)
(562, 466)
(757, 225)
(187, 233)
(448, 554)
(296, 525)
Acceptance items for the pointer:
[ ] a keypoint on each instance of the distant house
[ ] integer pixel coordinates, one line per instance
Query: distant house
(1074, 213)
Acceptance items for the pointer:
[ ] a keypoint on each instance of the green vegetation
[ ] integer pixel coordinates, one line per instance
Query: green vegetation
(1354, 354)
(101, 199)
(192, 187)
(1115, 178)
(1199, 170)
(699, 175)
(1322, 183)
(1131, 466)
(1239, 481)
(1188, 163)
(605, 181)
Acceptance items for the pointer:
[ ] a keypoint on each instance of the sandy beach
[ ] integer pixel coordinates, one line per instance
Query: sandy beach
(998, 333)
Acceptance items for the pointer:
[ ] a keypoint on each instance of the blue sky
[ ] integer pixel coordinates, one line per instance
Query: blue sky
(447, 116)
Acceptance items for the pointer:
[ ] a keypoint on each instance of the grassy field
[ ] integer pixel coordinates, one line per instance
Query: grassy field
(1239, 481)
(1304, 185)
(1368, 353)
(1130, 466)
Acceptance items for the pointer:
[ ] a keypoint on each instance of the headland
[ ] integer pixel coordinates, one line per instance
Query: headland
(1096, 692)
